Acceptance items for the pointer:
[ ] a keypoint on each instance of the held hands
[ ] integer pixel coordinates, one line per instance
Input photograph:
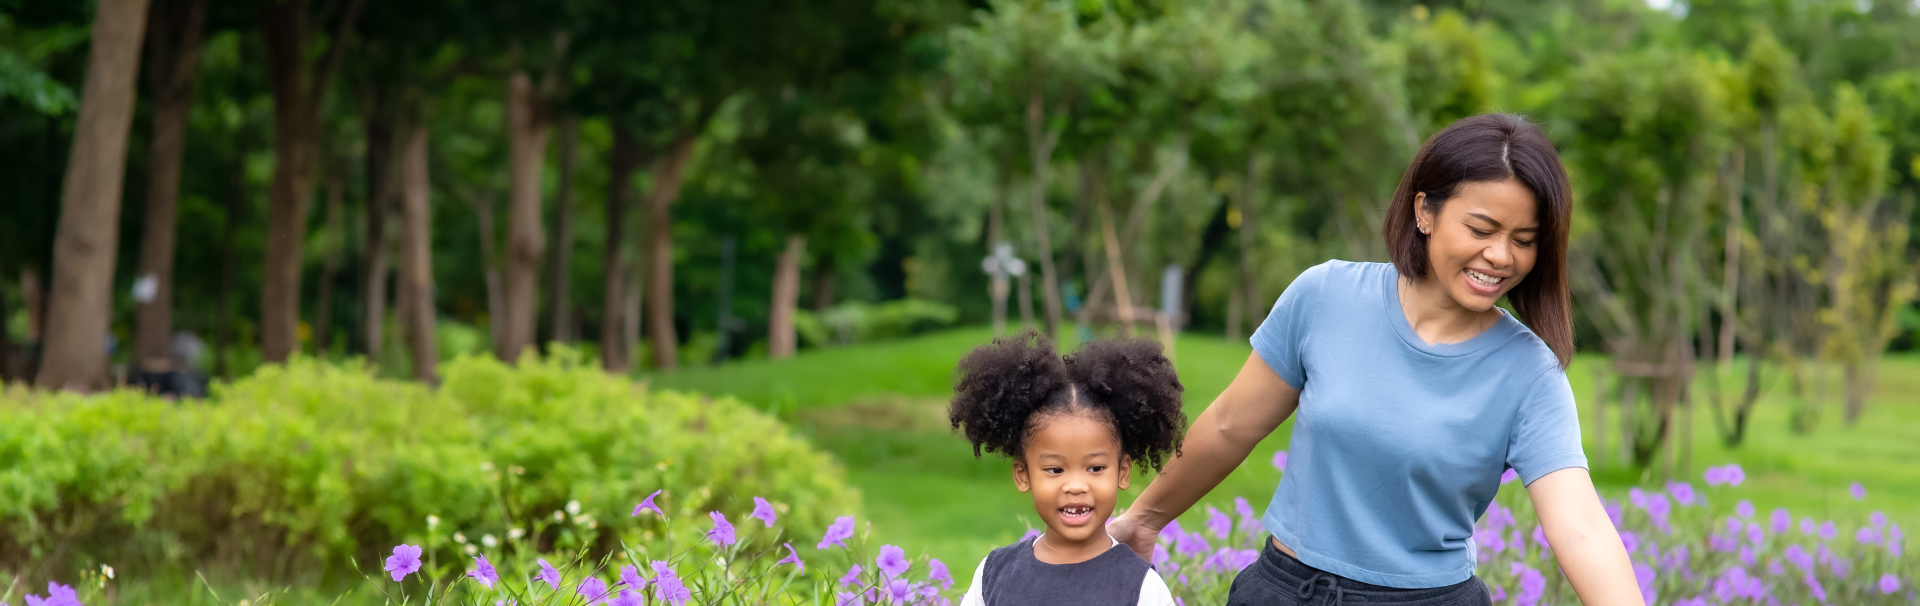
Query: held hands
(1129, 530)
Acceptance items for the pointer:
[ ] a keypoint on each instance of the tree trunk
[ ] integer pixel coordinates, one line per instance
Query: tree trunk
(1040, 149)
(173, 52)
(786, 299)
(1730, 278)
(527, 129)
(823, 270)
(1249, 278)
(667, 178)
(489, 266)
(298, 89)
(334, 239)
(622, 160)
(560, 298)
(83, 252)
(995, 235)
(1123, 300)
(379, 161)
(416, 250)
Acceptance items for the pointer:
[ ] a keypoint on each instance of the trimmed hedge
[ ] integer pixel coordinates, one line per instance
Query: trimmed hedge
(290, 472)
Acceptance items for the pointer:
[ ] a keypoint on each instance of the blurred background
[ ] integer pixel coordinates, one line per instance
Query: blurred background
(816, 207)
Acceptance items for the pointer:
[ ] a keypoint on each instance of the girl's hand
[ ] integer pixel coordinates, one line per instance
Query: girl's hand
(1129, 531)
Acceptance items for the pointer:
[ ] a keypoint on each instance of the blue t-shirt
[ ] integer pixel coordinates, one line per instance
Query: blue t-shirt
(1398, 445)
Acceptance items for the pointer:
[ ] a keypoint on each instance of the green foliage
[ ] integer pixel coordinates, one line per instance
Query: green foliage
(291, 471)
(856, 322)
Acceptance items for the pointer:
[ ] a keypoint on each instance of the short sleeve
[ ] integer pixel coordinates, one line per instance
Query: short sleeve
(1546, 430)
(972, 597)
(1154, 592)
(1279, 340)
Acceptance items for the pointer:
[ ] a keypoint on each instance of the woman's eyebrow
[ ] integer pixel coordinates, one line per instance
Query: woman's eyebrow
(1496, 224)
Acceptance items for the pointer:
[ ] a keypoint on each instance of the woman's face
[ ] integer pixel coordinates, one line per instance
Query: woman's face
(1481, 243)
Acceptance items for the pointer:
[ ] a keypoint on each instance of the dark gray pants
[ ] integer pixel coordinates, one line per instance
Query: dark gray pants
(1278, 579)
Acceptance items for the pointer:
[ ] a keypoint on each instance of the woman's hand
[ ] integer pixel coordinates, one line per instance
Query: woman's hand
(1129, 531)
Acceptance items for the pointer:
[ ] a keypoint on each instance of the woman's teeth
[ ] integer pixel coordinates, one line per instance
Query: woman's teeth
(1483, 278)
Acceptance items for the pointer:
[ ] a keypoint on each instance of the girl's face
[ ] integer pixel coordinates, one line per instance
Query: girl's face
(1481, 243)
(1075, 471)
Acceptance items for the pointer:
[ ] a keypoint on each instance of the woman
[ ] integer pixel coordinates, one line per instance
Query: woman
(1414, 393)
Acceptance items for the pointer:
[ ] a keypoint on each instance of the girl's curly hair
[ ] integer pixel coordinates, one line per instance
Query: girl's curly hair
(1006, 387)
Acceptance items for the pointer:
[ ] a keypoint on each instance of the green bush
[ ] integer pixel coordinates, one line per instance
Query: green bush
(291, 471)
(857, 322)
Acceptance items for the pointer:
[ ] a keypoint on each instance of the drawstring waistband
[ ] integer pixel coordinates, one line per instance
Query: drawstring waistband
(1339, 594)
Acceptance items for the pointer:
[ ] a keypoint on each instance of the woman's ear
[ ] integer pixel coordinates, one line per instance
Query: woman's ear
(1126, 471)
(1020, 479)
(1422, 217)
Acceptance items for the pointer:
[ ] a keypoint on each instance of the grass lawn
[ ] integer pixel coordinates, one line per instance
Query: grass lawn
(881, 409)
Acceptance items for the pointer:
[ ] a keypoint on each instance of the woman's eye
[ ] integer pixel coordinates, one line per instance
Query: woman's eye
(1477, 233)
(1524, 243)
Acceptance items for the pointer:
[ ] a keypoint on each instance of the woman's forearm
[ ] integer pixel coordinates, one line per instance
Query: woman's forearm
(1251, 407)
(1584, 539)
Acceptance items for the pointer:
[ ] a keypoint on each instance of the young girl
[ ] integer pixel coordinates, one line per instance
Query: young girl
(1074, 428)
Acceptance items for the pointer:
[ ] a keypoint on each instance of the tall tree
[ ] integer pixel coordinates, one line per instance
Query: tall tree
(173, 39)
(299, 87)
(416, 255)
(530, 120)
(81, 302)
(615, 319)
(560, 294)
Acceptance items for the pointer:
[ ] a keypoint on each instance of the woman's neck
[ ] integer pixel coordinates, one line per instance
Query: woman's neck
(1436, 317)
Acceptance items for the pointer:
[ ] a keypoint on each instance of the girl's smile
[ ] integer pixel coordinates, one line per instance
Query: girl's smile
(1075, 471)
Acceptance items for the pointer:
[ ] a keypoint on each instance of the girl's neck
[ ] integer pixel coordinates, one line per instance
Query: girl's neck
(1436, 317)
(1050, 548)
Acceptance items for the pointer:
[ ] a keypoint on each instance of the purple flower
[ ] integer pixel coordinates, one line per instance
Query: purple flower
(1218, 523)
(1489, 541)
(667, 587)
(404, 561)
(1781, 520)
(1744, 509)
(1715, 476)
(1497, 593)
(1533, 586)
(1171, 532)
(1644, 576)
(847, 598)
(1191, 544)
(763, 511)
(1813, 586)
(1859, 492)
(937, 573)
(1509, 475)
(592, 588)
(548, 574)
(1867, 535)
(1160, 555)
(1896, 541)
(1877, 519)
(793, 558)
(57, 595)
(1746, 556)
(1280, 460)
(1806, 526)
(892, 561)
(646, 504)
(483, 572)
(1519, 546)
(838, 533)
(1755, 535)
(1682, 493)
(852, 577)
(1032, 533)
(1889, 583)
(1245, 510)
(1637, 497)
(1827, 532)
(722, 533)
(1540, 540)
(630, 577)
(1799, 558)
(1613, 512)
(1734, 474)
(1244, 558)
(629, 597)
(898, 590)
(1630, 540)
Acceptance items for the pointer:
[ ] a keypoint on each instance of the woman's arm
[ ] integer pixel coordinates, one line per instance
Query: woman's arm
(1252, 406)
(1584, 538)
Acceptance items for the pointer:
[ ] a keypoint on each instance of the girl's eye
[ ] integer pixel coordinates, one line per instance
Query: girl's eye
(1053, 470)
(1097, 468)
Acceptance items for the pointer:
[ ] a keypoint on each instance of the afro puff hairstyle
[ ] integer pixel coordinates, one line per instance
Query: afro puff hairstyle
(1005, 387)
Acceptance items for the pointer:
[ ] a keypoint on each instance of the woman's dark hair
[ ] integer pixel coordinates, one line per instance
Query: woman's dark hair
(1484, 149)
(1007, 388)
